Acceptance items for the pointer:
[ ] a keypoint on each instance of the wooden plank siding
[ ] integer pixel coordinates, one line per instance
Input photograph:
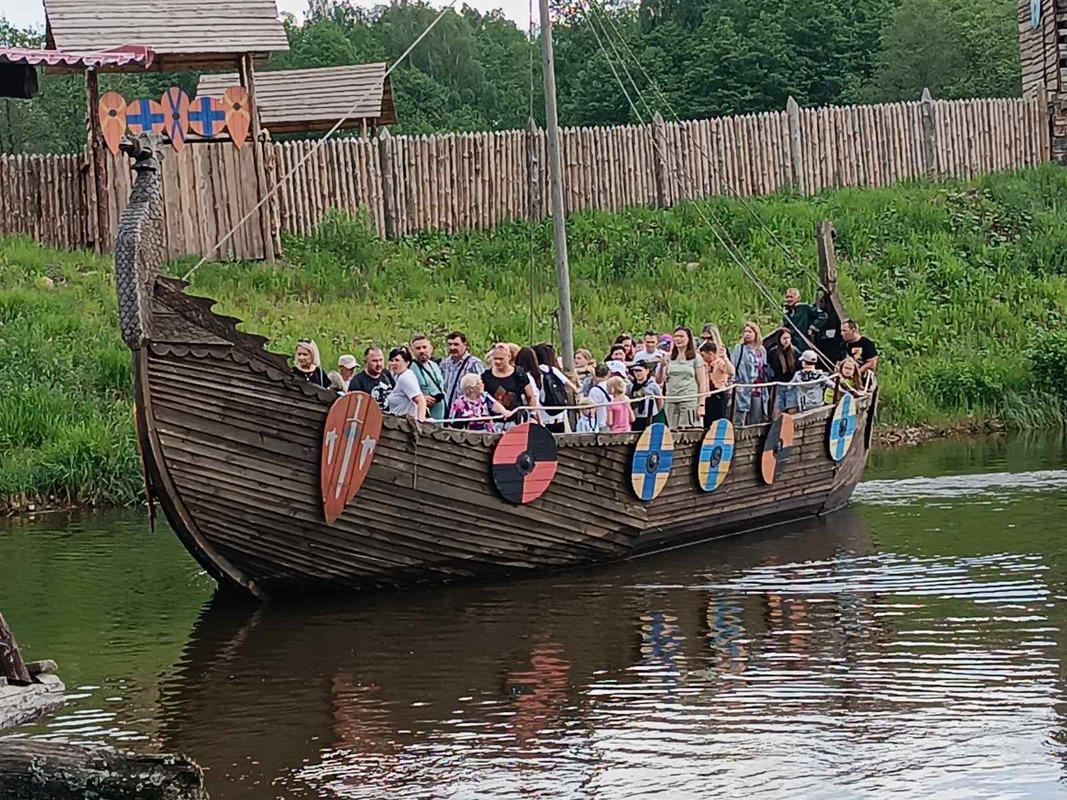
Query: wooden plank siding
(476, 181)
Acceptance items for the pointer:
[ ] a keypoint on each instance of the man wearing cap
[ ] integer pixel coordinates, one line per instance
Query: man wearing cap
(806, 320)
(810, 394)
(348, 367)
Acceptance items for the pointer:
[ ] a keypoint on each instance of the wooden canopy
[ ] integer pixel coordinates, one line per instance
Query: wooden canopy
(185, 34)
(309, 100)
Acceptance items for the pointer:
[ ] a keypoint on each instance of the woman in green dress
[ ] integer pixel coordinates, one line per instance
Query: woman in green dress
(687, 382)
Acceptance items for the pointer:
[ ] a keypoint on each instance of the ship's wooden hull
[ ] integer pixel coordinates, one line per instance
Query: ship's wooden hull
(232, 449)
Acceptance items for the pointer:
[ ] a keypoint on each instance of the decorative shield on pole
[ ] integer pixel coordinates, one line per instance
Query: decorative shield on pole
(524, 463)
(652, 460)
(716, 455)
(842, 427)
(238, 108)
(175, 104)
(206, 117)
(112, 112)
(777, 446)
(145, 116)
(349, 442)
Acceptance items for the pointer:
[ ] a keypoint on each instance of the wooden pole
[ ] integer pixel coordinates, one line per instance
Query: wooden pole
(929, 121)
(12, 666)
(659, 154)
(559, 223)
(796, 155)
(533, 173)
(385, 160)
(248, 81)
(97, 188)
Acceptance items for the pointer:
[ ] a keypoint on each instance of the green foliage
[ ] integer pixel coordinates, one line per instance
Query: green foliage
(956, 48)
(944, 278)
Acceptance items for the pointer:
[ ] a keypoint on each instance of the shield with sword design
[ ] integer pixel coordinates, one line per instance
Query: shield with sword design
(349, 442)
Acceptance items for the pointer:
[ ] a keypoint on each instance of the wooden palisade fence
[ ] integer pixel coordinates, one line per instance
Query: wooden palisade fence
(471, 181)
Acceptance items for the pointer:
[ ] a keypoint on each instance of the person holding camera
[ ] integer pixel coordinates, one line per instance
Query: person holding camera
(428, 371)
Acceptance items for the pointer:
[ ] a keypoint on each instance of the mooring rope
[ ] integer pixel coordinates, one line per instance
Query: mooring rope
(316, 146)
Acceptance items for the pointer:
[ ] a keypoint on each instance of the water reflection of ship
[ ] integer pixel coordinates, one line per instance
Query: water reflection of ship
(509, 672)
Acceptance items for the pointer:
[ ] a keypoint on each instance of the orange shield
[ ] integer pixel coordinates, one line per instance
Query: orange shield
(145, 116)
(777, 446)
(238, 108)
(349, 443)
(112, 111)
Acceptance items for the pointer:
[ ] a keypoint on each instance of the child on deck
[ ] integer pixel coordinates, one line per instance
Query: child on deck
(813, 382)
(586, 416)
(473, 403)
(620, 412)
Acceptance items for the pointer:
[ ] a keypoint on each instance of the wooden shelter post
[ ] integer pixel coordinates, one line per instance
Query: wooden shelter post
(99, 222)
(248, 81)
(12, 666)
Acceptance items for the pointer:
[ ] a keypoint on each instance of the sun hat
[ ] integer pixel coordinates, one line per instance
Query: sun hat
(347, 361)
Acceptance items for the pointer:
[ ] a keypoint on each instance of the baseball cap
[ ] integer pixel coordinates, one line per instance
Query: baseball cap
(809, 357)
(618, 368)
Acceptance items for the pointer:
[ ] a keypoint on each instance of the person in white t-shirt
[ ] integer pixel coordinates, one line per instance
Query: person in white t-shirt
(406, 399)
(556, 389)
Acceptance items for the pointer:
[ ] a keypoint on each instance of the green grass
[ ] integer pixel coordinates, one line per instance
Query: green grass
(963, 287)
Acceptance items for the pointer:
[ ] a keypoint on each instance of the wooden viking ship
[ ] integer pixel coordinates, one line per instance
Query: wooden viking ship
(232, 447)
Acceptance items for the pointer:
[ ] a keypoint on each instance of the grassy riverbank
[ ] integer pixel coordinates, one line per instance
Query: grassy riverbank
(963, 286)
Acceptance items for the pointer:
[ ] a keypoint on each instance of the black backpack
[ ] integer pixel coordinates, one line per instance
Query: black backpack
(554, 389)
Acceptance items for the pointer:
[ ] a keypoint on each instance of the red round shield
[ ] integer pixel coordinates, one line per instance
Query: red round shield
(112, 110)
(524, 463)
(349, 442)
(777, 446)
(175, 104)
(238, 107)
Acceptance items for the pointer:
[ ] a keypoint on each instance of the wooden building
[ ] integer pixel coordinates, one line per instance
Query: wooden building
(185, 34)
(1043, 61)
(312, 100)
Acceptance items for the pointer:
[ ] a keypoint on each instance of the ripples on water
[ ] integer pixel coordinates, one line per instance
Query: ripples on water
(912, 647)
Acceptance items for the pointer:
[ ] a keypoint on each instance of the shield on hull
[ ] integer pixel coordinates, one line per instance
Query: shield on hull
(716, 455)
(842, 428)
(652, 460)
(524, 463)
(349, 442)
(776, 448)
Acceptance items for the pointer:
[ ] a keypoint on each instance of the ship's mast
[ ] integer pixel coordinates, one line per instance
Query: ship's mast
(555, 194)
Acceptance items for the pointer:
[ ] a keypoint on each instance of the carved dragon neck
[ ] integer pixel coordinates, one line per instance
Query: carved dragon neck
(140, 248)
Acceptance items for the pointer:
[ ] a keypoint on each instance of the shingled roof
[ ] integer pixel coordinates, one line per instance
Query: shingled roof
(308, 100)
(185, 34)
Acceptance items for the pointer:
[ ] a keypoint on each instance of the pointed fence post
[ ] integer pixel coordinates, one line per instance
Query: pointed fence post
(659, 148)
(796, 155)
(929, 120)
(534, 178)
(385, 161)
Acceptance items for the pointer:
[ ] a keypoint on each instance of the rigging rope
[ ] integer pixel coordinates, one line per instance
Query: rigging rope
(674, 114)
(723, 236)
(316, 146)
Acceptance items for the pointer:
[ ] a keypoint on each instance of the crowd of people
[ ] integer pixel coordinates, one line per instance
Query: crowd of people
(676, 378)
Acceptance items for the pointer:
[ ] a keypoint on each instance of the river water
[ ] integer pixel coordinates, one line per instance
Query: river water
(914, 645)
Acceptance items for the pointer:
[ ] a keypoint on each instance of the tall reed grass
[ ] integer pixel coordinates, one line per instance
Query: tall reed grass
(962, 285)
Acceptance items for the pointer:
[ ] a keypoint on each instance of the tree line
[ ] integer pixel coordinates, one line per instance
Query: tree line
(480, 71)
